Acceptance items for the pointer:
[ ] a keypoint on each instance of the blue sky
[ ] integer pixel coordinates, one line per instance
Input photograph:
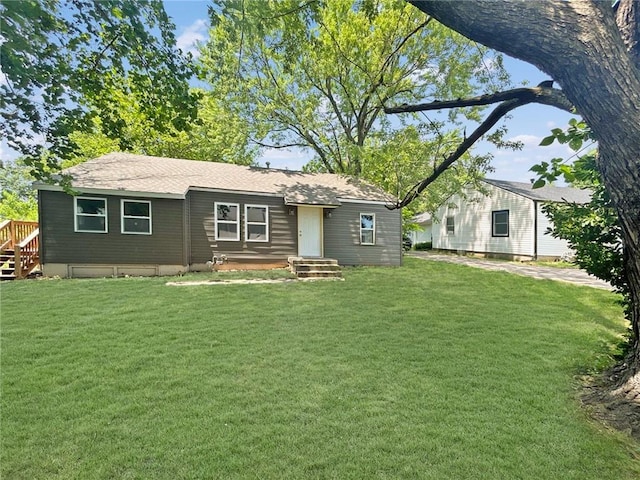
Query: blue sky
(528, 124)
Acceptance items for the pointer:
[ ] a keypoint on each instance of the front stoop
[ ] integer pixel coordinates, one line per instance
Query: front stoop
(315, 268)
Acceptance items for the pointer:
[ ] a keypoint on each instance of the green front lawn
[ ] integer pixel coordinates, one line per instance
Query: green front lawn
(430, 370)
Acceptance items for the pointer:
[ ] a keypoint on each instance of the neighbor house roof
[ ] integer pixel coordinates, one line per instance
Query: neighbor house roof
(548, 193)
(172, 177)
(421, 218)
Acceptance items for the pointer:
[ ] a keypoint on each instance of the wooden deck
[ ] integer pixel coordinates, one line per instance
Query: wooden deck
(19, 248)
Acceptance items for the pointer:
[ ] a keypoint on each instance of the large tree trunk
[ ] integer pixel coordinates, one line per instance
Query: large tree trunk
(579, 44)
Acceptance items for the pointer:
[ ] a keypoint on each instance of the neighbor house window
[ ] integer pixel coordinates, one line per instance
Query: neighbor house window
(135, 217)
(90, 214)
(451, 228)
(367, 229)
(500, 223)
(256, 223)
(227, 221)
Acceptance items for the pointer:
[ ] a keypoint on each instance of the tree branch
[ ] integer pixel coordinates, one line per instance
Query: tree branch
(529, 95)
(540, 94)
(287, 145)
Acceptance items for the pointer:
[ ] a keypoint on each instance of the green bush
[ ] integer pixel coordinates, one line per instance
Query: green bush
(423, 246)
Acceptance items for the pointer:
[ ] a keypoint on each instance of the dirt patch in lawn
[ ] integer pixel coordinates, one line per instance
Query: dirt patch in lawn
(614, 399)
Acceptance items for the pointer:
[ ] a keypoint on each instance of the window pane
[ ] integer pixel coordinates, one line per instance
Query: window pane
(366, 221)
(257, 232)
(450, 225)
(257, 214)
(501, 229)
(227, 212)
(227, 231)
(92, 224)
(136, 209)
(136, 225)
(90, 206)
(366, 236)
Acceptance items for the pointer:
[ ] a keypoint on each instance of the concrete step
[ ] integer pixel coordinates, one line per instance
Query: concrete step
(305, 267)
(315, 268)
(319, 274)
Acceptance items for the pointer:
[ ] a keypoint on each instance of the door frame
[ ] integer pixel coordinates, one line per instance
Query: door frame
(313, 214)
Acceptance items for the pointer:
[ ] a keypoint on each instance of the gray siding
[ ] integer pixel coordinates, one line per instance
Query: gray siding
(342, 236)
(60, 244)
(282, 229)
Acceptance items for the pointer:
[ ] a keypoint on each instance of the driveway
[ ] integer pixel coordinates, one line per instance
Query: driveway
(571, 275)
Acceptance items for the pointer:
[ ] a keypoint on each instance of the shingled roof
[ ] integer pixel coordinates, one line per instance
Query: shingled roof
(172, 177)
(548, 193)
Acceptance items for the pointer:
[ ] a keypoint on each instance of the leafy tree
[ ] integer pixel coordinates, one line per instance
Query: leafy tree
(215, 135)
(61, 56)
(317, 75)
(592, 229)
(593, 52)
(18, 200)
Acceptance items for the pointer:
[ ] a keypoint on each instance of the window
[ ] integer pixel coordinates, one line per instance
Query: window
(256, 223)
(500, 223)
(135, 217)
(451, 228)
(227, 221)
(367, 229)
(90, 214)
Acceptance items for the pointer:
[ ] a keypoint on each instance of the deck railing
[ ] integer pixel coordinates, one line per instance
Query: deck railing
(22, 237)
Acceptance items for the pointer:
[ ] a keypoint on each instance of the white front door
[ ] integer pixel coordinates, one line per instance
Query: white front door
(309, 232)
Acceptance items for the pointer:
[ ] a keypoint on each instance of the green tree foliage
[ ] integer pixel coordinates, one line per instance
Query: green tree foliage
(18, 200)
(60, 57)
(215, 135)
(591, 229)
(316, 75)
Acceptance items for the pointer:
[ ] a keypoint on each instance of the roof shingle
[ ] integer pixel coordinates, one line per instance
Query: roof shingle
(171, 176)
(548, 193)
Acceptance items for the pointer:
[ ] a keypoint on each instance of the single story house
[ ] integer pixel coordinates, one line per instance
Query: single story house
(423, 234)
(506, 220)
(143, 215)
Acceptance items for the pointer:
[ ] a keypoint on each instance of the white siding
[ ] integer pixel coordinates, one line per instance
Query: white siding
(547, 245)
(422, 235)
(473, 223)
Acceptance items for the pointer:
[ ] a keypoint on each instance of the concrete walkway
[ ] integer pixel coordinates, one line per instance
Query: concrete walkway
(571, 275)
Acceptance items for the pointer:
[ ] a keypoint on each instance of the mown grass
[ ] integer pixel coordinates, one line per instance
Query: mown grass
(430, 370)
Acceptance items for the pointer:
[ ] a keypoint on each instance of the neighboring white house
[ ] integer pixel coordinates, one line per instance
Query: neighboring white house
(423, 234)
(507, 222)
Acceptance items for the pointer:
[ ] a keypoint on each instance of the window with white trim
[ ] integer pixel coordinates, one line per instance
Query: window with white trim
(451, 226)
(256, 223)
(135, 217)
(227, 221)
(90, 214)
(367, 228)
(500, 223)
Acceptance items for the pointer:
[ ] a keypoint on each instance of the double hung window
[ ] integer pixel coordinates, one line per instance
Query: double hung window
(135, 217)
(227, 221)
(367, 229)
(451, 226)
(256, 223)
(90, 215)
(500, 223)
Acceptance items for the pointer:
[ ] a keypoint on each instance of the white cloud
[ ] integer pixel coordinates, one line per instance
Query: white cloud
(193, 34)
(527, 140)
